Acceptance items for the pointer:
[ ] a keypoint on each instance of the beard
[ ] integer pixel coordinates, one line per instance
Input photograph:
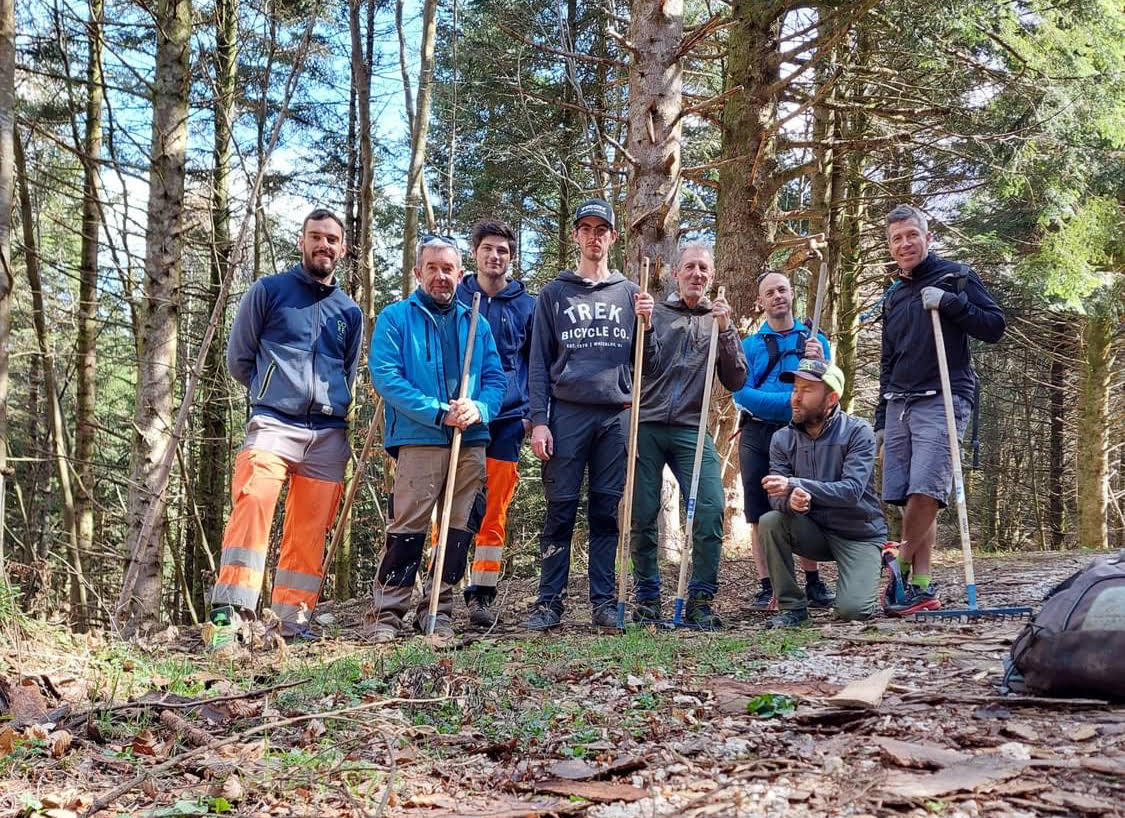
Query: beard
(319, 265)
(811, 415)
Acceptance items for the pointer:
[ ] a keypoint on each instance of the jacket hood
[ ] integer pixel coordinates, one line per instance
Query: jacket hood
(300, 272)
(513, 289)
(573, 278)
(932, 269)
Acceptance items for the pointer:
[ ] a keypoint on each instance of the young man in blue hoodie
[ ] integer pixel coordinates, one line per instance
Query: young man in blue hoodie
(295, 345)
(910, 419)
(417, 353)
(509, 310)
(776, 348)
(580, 390)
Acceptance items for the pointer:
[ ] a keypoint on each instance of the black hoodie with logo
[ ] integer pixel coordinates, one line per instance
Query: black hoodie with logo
(581, 343)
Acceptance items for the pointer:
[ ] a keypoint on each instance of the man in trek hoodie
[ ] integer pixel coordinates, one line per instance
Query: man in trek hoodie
(295, 345)
(580, 388)
(910, 419)
(417, 353)
(509, 309)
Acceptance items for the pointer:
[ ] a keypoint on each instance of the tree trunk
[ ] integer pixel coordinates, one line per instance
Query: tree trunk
(87, 326)
(361, 72)
(213, 448)
(744, 233)
(78, 611)
(1055, 479)
(1093, 431)
(157, 366)
(652, 203)
(7, 182)
(418, 134)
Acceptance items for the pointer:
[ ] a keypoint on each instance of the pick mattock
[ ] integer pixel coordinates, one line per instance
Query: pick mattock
(349, 498)
(625, 519)
(972, 612)
(451, 476)
(821, 286)
(696, 467)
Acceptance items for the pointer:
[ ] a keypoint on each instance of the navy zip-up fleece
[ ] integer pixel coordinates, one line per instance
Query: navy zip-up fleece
(909, 360)
(581, 345)
(510, 314)
(295, 344)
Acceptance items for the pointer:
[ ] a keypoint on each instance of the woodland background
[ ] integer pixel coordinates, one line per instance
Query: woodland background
(157, 157)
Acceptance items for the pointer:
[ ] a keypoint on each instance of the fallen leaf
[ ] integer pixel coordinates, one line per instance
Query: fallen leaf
(7, 740)
(27, 702)
(231, 789)
(313, 730)
(59, 742)
(918, 754)
(144, 743)
(572, 769)
(593, 790)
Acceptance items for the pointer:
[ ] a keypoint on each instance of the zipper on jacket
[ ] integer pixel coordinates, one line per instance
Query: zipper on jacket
(312, 369)
(266, 380)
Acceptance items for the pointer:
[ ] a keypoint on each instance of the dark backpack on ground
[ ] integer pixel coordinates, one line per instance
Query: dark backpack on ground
(1075, 646)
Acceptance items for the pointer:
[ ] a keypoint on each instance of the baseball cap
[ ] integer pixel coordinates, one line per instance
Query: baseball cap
(598, 208)
(814, 369)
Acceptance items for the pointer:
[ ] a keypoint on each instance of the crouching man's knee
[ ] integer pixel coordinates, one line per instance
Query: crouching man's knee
(850, 611)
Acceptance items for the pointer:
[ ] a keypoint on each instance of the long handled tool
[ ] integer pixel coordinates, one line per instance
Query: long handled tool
(625, 521)
(451, 476)
(821, 286)
(696, 467)
(349, 498)
(972, 612)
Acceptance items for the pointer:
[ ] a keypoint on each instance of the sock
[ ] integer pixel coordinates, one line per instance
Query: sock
(767, 584)
(903, 565)
(812, 577)
(921, 581)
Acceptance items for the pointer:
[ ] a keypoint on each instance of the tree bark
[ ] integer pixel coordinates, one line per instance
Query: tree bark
(418, 135)
(157, 366)
(1093, 430)
(87, 324)
(1057, 402)
(7, 183)
(78, 611)
(214, 448)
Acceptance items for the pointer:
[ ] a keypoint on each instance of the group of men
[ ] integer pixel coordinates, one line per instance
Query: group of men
(557, 369)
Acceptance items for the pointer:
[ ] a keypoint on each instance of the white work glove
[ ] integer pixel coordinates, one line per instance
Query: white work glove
(931, 297)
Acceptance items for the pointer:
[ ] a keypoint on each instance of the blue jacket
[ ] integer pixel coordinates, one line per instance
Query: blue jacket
(407, 370)
(770, 401)
(295, 345)
(909, 360)
(509, 315)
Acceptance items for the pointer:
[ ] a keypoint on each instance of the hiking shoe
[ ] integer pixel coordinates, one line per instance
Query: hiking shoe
(916, 600)
(382, 632)
(604, 618)
(699, 614)
(481, 614)
(443, 628)
(763, 599)
(793, 618)
(221, 634)
(646, 611)
(542, 619)
(819, 594)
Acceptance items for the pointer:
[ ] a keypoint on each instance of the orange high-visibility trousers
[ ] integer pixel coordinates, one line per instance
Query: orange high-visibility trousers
(310, 509)
(502, 479)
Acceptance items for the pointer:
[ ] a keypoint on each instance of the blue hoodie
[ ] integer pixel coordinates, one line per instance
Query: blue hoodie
(509, 314)
(770, 401)
(295, 344)
(407, 369)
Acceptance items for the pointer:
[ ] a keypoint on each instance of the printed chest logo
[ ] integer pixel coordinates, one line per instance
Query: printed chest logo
(598, 323)
(341, 330)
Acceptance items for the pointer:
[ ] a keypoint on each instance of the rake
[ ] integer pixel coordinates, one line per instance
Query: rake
(973, 611)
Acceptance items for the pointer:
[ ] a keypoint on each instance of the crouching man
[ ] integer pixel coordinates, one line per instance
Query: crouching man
(822, 489)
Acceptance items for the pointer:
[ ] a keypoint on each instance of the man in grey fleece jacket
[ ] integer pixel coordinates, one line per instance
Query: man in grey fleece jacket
(671, 411)
(580, 385)
(821, 486)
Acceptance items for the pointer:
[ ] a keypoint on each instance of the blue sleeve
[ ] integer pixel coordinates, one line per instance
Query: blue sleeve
(493, 381)
(387, 363)
(825, 345)
(355, 344)
(242, 346)
(760, 402)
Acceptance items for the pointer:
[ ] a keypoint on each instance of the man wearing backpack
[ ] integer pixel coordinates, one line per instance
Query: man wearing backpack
(763, 402)
(910, 419)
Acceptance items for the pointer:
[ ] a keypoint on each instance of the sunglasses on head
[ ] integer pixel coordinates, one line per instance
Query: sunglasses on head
(437, 238)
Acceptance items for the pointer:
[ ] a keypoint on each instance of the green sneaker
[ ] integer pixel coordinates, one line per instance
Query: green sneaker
(220, 635)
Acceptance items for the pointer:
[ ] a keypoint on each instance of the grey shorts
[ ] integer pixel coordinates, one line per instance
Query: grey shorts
(320, 454)
(916, 456)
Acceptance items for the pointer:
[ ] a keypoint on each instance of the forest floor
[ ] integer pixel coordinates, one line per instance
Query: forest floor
(651, 723)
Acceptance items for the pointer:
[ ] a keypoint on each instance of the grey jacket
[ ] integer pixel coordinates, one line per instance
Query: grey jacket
(673, 386)
(838, 470)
